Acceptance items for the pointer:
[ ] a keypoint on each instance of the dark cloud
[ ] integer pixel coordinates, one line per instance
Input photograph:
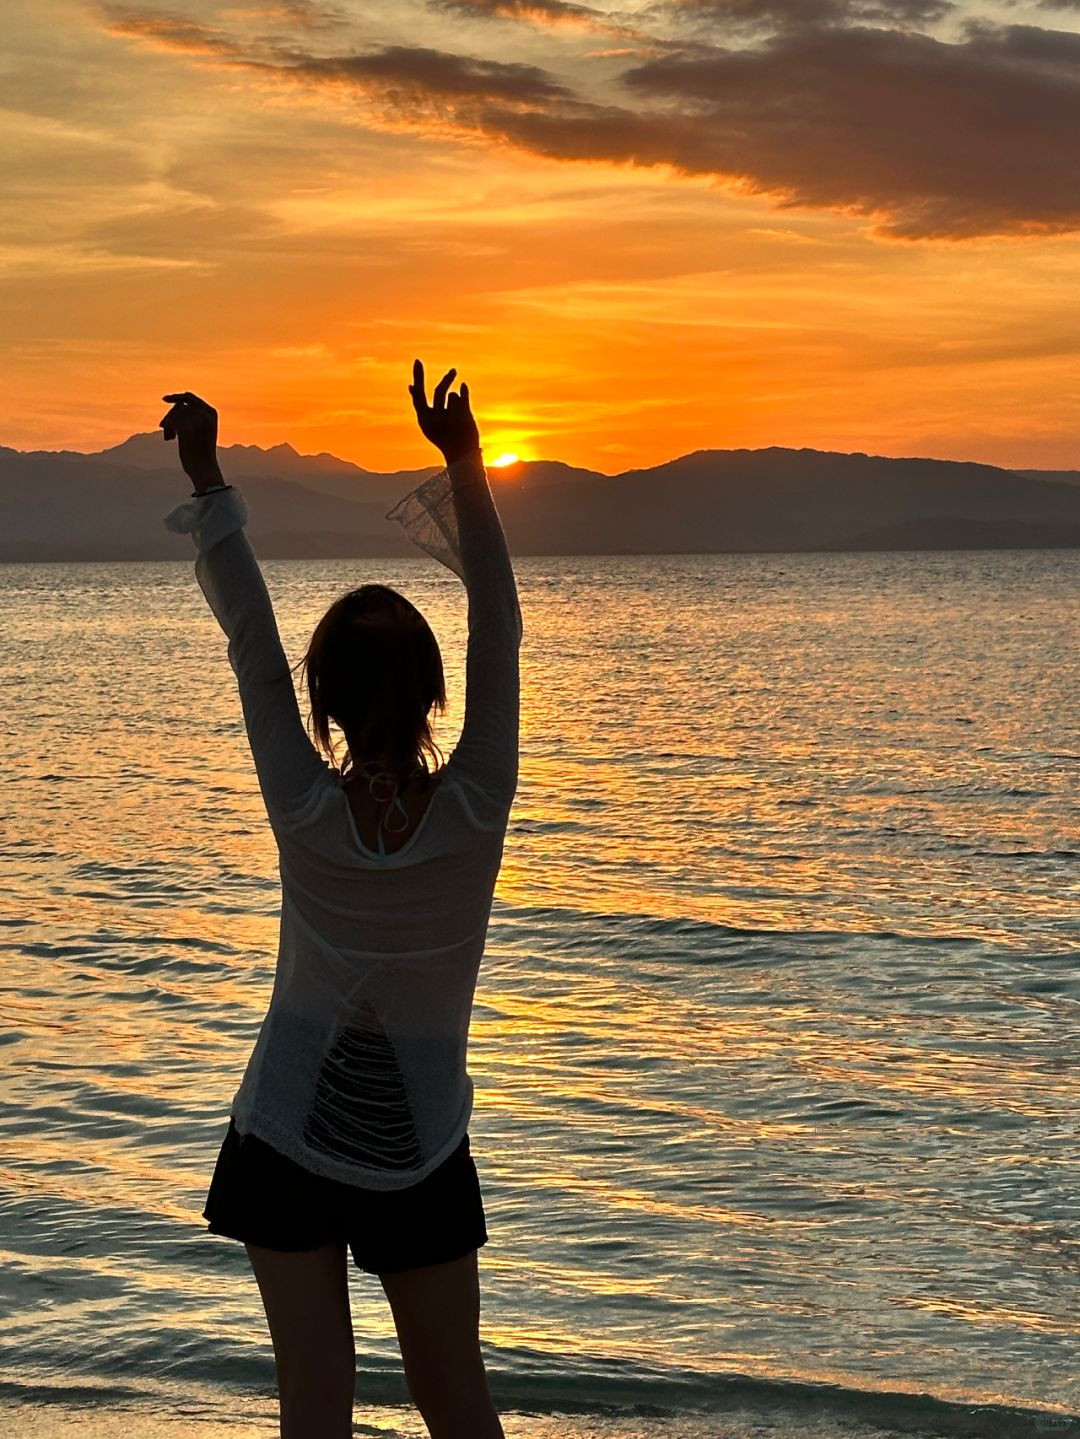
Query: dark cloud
(708, 16)
(411, 73)
(1028, 45)
(927, 138)
(939, 139)
(795, 14)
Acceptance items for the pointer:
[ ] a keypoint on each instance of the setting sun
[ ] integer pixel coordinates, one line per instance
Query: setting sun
(504, 460)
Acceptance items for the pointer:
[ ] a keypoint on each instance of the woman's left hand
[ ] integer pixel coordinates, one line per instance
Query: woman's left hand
(194, 424)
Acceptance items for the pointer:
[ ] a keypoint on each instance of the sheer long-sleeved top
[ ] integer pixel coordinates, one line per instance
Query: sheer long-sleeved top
(359, 1069)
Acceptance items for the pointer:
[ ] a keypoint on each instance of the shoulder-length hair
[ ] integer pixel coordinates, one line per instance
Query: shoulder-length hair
(374, 668)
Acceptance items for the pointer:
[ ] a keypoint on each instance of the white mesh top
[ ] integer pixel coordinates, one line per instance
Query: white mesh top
(359, 1070)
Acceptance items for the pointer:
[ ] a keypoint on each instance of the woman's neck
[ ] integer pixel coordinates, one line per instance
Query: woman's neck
(362, 766)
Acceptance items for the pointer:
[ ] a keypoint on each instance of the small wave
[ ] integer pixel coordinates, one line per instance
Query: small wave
(970, 790)
(570, 928)
(1028, 853)
(526, 825)
(620, 1389)
(979, 853)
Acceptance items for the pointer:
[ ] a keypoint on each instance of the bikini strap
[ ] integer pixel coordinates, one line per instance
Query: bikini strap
(381, 777)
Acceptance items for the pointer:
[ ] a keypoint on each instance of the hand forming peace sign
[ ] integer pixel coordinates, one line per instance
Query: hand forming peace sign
(452, 428)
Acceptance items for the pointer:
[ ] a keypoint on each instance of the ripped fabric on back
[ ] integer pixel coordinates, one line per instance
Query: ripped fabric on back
(361, 1111)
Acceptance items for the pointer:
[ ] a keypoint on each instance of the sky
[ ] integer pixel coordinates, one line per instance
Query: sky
(636, 231)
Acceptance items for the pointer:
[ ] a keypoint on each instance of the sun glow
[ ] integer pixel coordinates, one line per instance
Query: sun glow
(504, 460)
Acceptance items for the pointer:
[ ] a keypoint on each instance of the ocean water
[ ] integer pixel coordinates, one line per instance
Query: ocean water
(776, 1041)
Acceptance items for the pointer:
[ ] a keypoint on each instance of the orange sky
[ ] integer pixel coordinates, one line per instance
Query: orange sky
(636, 231)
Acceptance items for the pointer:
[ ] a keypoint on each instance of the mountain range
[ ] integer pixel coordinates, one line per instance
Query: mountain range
(64, 505)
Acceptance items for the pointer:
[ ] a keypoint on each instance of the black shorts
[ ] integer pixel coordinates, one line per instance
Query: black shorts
(263, 1198)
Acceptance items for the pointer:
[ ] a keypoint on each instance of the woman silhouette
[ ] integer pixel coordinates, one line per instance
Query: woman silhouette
(348, 1132)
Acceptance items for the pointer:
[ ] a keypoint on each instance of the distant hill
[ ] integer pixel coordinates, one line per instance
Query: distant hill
(790, 500)
(281, 462)
(66, 506)
(954, 534)
(1064, 477)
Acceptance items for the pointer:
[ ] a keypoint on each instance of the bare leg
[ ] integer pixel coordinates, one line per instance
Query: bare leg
(437, 1316)
(306, 1298)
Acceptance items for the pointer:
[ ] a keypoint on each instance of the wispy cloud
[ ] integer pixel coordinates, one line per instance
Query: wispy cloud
(547, 14)
(69, 259)
(169, 32)
(300, 14)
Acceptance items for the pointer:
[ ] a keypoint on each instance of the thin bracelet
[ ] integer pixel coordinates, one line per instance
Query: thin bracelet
(213, 490)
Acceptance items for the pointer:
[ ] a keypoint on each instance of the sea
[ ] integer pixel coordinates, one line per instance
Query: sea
(776, 1041)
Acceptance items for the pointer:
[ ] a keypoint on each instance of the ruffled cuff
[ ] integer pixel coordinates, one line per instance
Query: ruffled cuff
(210, 517)
(428, 517)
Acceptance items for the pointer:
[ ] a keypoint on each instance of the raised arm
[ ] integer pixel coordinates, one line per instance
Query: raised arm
(287, 764)
(453, 516)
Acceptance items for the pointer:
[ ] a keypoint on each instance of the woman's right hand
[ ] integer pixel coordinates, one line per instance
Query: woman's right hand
(448, 421)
